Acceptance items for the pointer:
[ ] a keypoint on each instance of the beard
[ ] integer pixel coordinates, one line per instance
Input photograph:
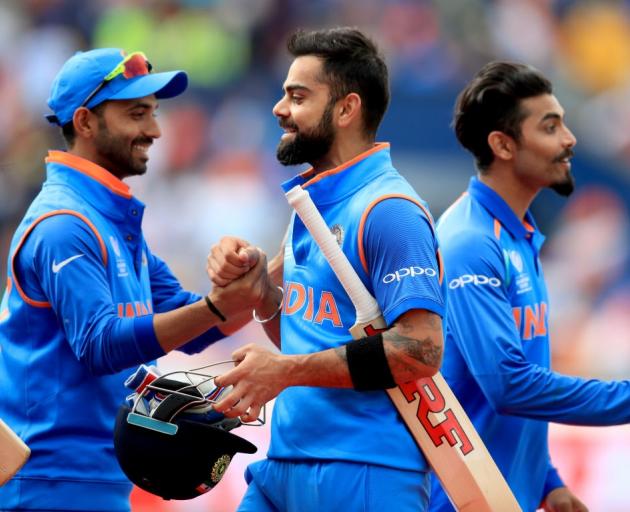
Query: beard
(116, 152)
(308, 147)
(565, 187)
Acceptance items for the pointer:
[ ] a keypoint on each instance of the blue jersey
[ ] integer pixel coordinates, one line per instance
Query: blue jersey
(497, 355)
(77, 311)
(385, 231)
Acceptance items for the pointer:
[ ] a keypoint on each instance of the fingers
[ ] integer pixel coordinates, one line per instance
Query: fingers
(247, 396)
(252, 414)
(259, 269)
(563, 500)
(231, 377)
(241, 408)
(229, 259)
(249, 289)
(239, 404)
(248, 255)
(222, 274)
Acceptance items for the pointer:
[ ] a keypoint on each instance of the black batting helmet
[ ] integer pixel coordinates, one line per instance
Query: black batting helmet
(166, 447)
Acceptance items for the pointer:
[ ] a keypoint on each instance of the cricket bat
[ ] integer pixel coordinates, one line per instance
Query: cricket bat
(433, 415)
(13, 453)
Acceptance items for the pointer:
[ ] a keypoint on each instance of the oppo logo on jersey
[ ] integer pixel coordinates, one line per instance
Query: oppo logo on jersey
(475, 280)
(409, 272)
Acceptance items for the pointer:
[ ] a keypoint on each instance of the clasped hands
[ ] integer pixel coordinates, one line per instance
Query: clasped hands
(238, 272)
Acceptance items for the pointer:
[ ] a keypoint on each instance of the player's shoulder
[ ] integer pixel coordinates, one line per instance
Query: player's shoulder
(466, 217)
(400, 203)
(392, 190)
(397, 217)
(59, 228)
(466, 227)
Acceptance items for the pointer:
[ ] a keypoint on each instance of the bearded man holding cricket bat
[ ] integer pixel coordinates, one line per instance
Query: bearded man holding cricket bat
(338, 442)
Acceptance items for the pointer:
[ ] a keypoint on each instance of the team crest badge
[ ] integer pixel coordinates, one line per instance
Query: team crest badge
(219, 467)
(337, 230)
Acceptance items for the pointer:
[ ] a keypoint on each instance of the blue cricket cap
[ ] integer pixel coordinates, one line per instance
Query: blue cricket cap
(84, 71)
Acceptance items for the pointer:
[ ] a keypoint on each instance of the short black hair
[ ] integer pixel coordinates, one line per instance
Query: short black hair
(352, 63)
(492, 102)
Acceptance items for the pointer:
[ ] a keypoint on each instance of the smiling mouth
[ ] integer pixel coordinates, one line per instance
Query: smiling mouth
(565, 162)
(141, 147)
(288, 133)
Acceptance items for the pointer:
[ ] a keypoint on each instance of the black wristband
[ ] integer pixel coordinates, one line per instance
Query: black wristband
(368, 364)
(214, 309)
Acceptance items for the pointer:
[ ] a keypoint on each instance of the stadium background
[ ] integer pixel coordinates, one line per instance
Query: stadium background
(214, 171)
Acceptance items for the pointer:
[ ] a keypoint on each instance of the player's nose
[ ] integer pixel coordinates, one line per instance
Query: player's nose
(281, 108)
(569, 139)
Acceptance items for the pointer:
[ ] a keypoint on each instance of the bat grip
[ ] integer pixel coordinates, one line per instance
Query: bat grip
(365, 305)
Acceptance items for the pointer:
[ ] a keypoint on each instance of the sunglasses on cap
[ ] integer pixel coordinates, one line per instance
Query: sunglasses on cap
(133, 65)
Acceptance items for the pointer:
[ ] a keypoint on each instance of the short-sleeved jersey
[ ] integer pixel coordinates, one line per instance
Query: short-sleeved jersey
(76, 313)
(497, 353)
(396, 259)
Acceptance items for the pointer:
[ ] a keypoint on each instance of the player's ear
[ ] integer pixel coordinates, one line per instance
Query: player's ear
(502, 145)
(348, 109)
(85, 122)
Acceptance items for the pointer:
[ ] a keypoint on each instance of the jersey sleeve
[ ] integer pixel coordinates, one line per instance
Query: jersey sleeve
(400, 253)
(61, 263)
(552, 481)
(480, 322)
(168, 294)
(166, 291)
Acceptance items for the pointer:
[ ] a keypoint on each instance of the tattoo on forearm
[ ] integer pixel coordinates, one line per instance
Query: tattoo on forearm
(423, 350)
(433, 322)
(426, 351)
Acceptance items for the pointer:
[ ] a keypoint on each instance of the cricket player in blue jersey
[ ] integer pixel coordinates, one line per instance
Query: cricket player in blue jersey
(497, 355)
(337, 442)
(85, 298)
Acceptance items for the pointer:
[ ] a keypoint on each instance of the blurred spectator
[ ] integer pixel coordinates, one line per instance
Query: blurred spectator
(595, 45)
(589, 285)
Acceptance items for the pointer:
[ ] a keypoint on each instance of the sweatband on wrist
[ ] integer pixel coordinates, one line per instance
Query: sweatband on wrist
(214, 309)
(367, 362)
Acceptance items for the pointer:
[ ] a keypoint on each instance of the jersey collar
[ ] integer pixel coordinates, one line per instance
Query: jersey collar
(95, 184)
(501, 211)
(94, 171)
(333, 185)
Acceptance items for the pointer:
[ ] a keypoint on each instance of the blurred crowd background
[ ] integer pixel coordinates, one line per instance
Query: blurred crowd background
(214, 170)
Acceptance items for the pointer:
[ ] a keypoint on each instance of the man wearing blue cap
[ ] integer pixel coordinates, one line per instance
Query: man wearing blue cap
(85, 298)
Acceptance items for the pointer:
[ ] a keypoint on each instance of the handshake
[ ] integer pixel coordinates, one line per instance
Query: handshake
(241, 280)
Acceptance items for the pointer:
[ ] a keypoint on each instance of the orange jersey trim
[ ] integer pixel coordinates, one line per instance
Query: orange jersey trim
(44, 304)
(318, 177)
(94, 171)
(497, 229)
(364, 218)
